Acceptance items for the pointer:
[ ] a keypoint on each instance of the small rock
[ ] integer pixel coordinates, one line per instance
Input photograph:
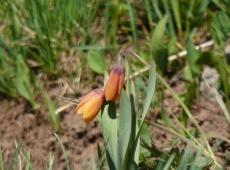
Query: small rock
(210, 76)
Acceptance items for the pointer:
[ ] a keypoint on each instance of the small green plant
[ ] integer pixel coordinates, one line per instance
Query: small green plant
(22, 160)
(126, 146)
(128, 143)
(122, 129)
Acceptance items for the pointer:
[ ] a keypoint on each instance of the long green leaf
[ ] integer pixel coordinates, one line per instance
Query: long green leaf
(110, 134)
(23, 81)
(176, 11)
(193, 56)
(149, 92)
(134, 125)
(149, 96)
(125, 123)
(156, 43)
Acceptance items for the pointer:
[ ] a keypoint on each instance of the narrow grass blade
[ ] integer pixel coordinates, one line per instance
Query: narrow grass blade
(157, 9)
(63, 151)
(147, 6)
(27, 160)
(169, 162)
(51, 161)
(101, 156)
(14, 160)
(182, 137)
(54, 117)
(184, 159)
(149, 92)
(176, 11)
(192, 56)
(132, 19)
(171, 27)
(156, 42)
(1, 160)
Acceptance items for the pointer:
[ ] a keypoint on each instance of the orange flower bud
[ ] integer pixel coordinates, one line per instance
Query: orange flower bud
(91, 104)
(115, 83)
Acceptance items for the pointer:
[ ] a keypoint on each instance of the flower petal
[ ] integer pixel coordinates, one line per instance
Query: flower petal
(120, 85)
(92, 108)
(87, 97)
(111, 86)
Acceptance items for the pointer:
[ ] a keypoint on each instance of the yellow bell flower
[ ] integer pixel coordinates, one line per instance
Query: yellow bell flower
(115, 83)
(90, 105)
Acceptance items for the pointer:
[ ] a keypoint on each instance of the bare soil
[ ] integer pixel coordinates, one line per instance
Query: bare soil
(35, 134)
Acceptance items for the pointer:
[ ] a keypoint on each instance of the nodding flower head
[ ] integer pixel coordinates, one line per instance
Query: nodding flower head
(91, 104)
(115, 83)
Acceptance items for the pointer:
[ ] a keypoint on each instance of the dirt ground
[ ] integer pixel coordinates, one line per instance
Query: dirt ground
(33, 131)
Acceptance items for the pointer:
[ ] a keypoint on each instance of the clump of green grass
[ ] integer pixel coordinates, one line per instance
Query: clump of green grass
(40, 30)
(21, 159)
